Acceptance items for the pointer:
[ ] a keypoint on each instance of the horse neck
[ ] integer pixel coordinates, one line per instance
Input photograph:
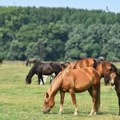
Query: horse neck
(31, 73)
(55, 85)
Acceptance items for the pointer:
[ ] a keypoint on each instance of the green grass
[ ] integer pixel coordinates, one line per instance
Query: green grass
(25, 102)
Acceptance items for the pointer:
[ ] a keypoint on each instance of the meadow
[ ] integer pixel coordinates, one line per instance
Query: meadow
(19, 101)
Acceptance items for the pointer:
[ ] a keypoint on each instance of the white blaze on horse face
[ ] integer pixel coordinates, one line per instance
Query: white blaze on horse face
(112, 78)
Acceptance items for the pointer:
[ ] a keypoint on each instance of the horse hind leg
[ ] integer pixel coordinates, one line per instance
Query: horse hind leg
(95, 99)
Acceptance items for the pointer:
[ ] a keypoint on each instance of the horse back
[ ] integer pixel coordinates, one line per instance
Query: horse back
(86, 62)
(56, 67)
(80, 79)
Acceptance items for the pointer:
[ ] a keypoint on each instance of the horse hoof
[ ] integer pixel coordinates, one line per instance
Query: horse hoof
(75, 113)
(92, 113)
(60, 112)
(95, 113)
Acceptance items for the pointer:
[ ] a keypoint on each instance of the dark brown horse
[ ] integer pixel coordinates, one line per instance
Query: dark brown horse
(41, 68)
(115, 80)
(74, 81)
(30, 61)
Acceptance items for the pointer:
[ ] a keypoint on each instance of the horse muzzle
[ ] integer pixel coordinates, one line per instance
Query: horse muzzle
(112, 82)
(46, 111)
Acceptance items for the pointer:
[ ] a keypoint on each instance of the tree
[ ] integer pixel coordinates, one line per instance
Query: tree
(16, 51)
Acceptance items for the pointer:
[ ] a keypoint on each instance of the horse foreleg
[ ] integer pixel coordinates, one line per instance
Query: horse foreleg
(95, 99)
(72, 93)
(39, 79)
(62, 95)
(118, 94)
(42, 80)
(119, 103)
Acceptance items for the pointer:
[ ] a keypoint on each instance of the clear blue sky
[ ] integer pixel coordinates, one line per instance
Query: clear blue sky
(113, 5)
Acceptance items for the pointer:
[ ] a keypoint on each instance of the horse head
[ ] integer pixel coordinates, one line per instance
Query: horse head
(28, 80)
(110, 73)
(105, 68)
(115, 77)
(48, 103)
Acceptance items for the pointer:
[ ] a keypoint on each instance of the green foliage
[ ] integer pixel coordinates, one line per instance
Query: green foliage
(58, 33)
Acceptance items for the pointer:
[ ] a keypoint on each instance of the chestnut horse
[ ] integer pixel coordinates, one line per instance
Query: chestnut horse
(74, 81)
(42, 68)
(85, 62)
(115, 80)
(103, 67)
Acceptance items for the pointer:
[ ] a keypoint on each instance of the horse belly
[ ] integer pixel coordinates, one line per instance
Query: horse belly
(83, 85)
(47, 71)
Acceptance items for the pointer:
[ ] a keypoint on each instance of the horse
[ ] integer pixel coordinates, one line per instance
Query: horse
(85, 62)
(42, 68)
(103, 67)
(32, 60)
(115, 80)
(74, 81)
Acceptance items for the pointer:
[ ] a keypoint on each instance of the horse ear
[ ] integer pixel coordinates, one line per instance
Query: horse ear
(47, 95)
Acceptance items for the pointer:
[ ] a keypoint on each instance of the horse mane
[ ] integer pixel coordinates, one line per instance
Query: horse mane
(66, 70)
(33, 69)
(62, 73)
(113, 68)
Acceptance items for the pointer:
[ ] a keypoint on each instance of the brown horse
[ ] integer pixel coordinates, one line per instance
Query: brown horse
(115, 80)
(103, 67)
(42, 68)
(74, 81)
(32, 60)
(85, 62)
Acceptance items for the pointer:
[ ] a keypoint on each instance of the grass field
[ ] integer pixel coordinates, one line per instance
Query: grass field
(25, 102)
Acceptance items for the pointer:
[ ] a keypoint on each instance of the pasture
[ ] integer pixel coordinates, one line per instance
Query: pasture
(25, 102)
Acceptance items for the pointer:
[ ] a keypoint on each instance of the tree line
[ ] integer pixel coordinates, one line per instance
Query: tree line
(58, 34)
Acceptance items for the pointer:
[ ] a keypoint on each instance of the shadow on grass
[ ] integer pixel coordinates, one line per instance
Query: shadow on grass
(82, 114)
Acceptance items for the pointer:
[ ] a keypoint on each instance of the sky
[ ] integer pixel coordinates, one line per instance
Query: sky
(111, 5)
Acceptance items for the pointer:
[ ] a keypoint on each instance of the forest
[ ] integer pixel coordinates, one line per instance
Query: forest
(58, 34)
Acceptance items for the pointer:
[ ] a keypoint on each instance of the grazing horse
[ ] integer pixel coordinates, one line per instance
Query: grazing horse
(41, 68)
(74, 81)
(104, 69)
(115, 80)
(32, 60)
